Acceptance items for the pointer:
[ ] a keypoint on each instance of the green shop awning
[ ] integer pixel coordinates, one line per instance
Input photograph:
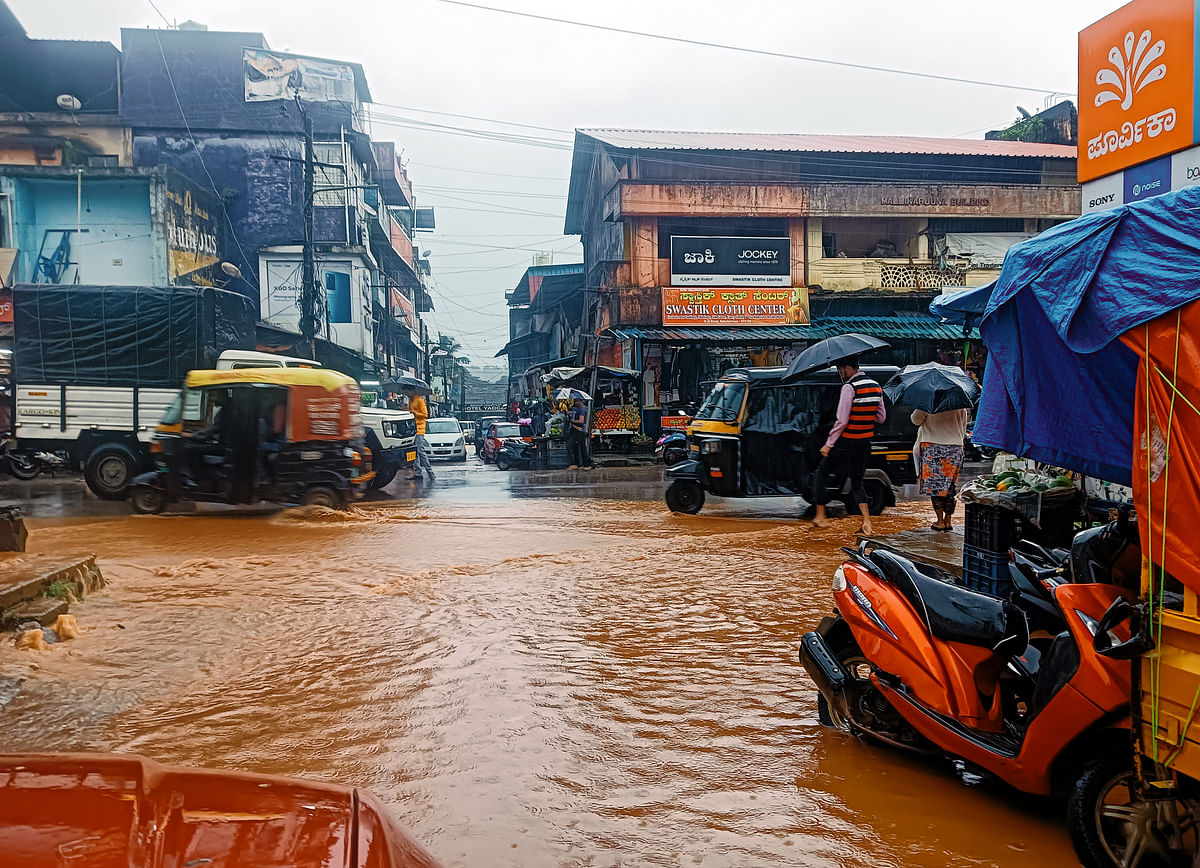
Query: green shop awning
(913, 327)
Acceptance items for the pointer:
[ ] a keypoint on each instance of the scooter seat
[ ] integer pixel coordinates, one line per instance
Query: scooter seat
(951, 612)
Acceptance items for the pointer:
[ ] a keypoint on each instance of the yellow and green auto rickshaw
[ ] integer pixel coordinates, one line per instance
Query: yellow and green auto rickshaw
(288, 435)
(758, 436)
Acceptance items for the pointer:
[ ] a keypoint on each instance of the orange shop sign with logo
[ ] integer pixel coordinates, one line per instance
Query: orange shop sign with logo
(734, 307)
(1136, 85)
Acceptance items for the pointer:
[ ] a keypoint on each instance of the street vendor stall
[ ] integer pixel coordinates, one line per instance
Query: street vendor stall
(1094, 335)
(616, 416)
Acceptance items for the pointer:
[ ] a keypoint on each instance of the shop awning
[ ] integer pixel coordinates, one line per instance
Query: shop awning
(915, 326)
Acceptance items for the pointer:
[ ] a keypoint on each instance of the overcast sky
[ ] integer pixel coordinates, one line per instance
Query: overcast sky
(428, 56)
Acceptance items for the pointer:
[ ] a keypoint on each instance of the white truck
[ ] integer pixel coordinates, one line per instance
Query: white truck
(391, 435)
(94, 367)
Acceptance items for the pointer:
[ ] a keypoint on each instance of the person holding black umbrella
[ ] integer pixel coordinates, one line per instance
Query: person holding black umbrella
(940, 396)
(860, 409)
(939, 455)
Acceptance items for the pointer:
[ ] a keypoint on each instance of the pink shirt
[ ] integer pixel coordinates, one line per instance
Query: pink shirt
(845, 402)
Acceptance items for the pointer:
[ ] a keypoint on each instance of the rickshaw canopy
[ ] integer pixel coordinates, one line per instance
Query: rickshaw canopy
(323, 378)
(1060, 384)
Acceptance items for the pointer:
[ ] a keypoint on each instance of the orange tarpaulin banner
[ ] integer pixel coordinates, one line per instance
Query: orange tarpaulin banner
(1166, 441)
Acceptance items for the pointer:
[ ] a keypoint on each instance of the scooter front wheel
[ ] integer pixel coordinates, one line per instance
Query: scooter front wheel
(1111, 825)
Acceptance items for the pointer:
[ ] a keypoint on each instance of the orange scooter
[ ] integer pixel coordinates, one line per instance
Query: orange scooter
(916, 661)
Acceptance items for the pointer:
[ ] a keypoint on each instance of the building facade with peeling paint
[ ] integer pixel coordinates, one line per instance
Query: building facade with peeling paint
(704, 251)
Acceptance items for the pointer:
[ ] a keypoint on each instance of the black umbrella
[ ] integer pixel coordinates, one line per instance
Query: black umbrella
(405, 382)
(824, 353)
(933, 388)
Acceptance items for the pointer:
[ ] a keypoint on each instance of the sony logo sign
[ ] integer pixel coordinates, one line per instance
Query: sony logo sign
(1101, 200)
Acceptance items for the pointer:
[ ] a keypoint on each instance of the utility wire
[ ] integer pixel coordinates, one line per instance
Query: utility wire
(762, 52)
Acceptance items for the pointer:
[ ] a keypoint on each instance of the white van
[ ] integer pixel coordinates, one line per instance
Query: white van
(391, 435)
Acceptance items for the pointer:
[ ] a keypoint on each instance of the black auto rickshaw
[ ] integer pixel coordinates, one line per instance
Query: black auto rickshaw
(288, 435)
(758, 436)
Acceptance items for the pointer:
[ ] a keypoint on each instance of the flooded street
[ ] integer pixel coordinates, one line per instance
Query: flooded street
(526, 680)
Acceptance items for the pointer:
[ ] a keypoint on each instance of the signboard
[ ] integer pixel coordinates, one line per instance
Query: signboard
(1136, 87)
(735, 307)
(6, 310)
(270, 75)
(193, 251)
(1145, 181)
(725, 261)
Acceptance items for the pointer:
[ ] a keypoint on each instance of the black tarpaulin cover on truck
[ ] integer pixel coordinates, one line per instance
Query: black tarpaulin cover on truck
(125, 335)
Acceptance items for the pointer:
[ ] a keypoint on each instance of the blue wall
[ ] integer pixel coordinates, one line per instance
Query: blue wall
(117, 246)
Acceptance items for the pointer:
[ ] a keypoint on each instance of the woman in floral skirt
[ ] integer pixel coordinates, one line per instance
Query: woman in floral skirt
(939, 456)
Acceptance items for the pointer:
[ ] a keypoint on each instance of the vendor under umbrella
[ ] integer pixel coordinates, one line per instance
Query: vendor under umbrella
(941, 396)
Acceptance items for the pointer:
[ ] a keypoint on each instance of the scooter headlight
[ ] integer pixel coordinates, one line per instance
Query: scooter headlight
(839, 580)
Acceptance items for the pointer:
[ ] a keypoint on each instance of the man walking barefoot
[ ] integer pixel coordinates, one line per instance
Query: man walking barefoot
(860, 409)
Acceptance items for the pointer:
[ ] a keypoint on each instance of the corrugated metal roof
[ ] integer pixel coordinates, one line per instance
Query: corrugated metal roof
(804, 142)
(899, 327)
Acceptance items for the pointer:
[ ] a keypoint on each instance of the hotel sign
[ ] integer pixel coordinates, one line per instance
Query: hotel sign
(1136, 86)
(728, 261)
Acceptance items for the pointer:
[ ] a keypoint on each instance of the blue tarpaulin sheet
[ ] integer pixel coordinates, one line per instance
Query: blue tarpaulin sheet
(965, 307)
(1059, 386)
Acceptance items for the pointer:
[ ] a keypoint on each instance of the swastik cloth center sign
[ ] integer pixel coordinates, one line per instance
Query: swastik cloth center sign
(726, 261)
(734, 307)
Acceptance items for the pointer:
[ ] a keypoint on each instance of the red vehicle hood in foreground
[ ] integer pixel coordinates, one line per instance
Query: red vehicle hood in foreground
(123, 811)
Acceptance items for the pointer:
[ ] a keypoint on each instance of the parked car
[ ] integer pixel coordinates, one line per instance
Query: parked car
(446, 439)
(481, 432)
(468, 428)
(497, 433)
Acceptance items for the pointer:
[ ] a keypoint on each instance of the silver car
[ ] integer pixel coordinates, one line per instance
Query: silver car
(446, 439)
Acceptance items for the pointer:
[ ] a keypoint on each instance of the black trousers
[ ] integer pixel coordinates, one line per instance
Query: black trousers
(847, 458)
(577, 451)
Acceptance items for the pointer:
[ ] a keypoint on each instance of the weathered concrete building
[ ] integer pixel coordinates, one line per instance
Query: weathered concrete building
(708, 250)
(545, 316)
(221, 108)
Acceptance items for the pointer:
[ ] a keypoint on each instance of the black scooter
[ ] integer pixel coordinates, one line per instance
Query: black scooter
(514, 455)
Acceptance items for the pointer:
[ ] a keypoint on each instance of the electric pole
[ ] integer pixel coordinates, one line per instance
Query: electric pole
(308, 270)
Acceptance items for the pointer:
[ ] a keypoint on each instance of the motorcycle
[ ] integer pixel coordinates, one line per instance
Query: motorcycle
(26, 465)
(913, 660)
(672, 447)
(514, 455)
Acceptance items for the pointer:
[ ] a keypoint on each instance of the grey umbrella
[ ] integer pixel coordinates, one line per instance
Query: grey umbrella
(824, 353)
(933, 388)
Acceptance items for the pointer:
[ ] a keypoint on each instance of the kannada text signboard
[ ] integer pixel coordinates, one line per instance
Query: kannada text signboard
(1136, 86)
(726, 261)
(734, 307)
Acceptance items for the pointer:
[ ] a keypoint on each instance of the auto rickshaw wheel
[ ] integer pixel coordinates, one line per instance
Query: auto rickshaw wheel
(876, 496)
(147, 500)
(1111, 825)
(686, 496)
(322, 495)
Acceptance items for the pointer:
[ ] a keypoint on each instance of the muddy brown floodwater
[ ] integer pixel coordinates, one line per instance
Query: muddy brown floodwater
(543, 682)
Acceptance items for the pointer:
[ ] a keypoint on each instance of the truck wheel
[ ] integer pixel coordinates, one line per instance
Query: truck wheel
(322, 495)
(148, 500)
(686, 496)
(876, 496)
(109, 470)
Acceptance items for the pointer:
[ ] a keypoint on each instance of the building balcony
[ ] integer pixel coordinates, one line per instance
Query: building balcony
(902, 274)
(393, 180)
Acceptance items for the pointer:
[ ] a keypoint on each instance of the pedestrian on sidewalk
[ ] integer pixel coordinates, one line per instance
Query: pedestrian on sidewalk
(420, 411)
(845, 453)
(577, 445)
(939, 455)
